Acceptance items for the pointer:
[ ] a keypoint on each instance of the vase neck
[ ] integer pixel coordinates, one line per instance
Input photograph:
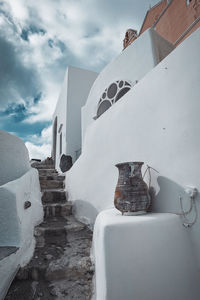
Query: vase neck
(136, 169)
(130, 169)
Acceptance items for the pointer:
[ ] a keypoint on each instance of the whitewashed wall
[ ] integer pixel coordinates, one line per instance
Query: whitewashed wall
(132, 64)
(74, 92)
(147, 257)
(61, 114)
(19, 183)
(156, 122)
(17, 224)
(79, 85)
(14, 157)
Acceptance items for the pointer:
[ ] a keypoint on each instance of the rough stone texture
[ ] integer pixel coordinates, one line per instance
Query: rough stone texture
(61, 267)
(65, 163)
(57, 209)
(51, 184)
(47, 172)
(131, 193)
(130, 37)
(46, 162)
(52, 177)
(68, 290)
(54, 196)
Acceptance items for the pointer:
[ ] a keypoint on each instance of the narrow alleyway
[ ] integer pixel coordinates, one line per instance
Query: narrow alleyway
(61, 267)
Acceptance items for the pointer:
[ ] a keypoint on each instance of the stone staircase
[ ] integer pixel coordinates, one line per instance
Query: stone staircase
(61, 267)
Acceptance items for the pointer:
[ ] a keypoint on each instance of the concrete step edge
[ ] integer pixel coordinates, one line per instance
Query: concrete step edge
(54, 177)
(54, 190)
(54, 204)
(72, 227)
(47, 167)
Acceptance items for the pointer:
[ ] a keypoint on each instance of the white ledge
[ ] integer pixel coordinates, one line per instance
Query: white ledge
(146, 257)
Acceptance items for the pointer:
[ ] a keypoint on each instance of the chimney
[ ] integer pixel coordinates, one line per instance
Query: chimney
(130, 36)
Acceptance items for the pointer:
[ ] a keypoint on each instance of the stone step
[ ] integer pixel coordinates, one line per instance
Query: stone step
(38, 265)
(46, 172)
(51, 184)
(57, 209)
(44, 166)
(54, 231)
(57, 270)
(80, 267)
(68, 260)
(72, 289)
(73, 225)
(61, 265)
(70, 269)
(53, 176)
(54, 196)
(75, 261)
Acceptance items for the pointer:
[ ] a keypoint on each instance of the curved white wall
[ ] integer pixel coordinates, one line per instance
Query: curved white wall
(14, 157)
(157, 122)
(132, 64)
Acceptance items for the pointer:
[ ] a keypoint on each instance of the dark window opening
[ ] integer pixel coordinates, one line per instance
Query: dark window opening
(111, 95)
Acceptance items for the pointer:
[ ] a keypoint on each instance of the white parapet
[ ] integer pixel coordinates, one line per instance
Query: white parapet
(17, 242)
(20, 208)
(146, 257)
(14, 157)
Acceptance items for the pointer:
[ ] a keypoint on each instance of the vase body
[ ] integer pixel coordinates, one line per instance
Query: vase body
(131, 193)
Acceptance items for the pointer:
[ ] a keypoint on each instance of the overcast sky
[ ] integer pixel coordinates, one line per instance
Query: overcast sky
(38, 40)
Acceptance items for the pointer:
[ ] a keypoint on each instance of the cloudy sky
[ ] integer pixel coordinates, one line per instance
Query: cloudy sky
(38, 40)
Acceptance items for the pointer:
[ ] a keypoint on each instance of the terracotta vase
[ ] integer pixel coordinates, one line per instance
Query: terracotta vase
(131, 193)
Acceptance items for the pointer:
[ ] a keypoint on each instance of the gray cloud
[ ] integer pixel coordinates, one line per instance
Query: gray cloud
(39, 39)
(17, 81)
(32, 29)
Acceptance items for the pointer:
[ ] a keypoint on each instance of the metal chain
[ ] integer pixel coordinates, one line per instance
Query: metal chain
(184, 214)
(187, 223)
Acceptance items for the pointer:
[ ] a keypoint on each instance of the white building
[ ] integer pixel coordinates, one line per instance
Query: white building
(118, 81)
(156, 120)
(67, 115)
